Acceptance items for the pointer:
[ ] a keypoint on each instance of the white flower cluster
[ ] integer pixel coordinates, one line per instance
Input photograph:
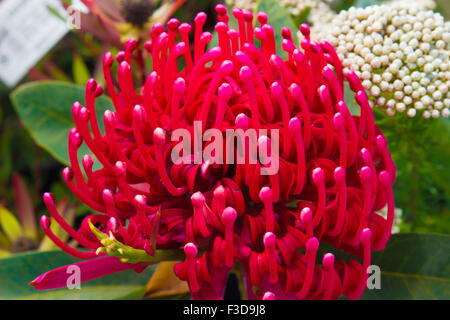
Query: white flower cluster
(397, 218)
(400, 51)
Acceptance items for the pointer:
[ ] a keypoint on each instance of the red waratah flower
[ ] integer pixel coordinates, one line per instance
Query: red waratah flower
(335, 169)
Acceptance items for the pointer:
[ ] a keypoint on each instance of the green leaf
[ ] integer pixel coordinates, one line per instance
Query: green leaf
(279, 17)
(413, 266)
(45, 109)
(81, 73)
(10, 224)
(14, 284)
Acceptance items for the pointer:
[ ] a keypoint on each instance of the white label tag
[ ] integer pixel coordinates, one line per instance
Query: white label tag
(28, 30)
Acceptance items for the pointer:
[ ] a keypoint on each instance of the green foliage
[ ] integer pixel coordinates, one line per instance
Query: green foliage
(413, 266)
(16, 272)
(45, 109)
(420, 149)
(278, 17)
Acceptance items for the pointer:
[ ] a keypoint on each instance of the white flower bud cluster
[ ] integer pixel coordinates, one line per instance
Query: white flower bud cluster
(400, 51)
(297, 7)
(397, 218)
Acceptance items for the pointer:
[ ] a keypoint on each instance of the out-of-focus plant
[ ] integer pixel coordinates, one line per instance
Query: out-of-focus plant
(21, 234)
(116, 21)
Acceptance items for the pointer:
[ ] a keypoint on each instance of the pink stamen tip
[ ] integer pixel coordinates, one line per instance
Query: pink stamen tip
(385, 178)
(108, 196)
(318, 176)
(98, 91)
(159, 136)
(185, 27)
(248, 16)
(245, 73)
(45, 222)
(221, 27)
(220, 10)
(120, 56)
(269, 240)
(366, 175)
(381, 142)
(190, 250)
(173, 24)
(262, 17)
(366, 235)
(148, 45)
(120, 169)
(179, 49)
(295, 90)
(339, 121)
(157, 28)
(87, 161)
(124, 68)
(108, 59)
(206, 37)
(198, 199)
(225, 91)
(287, 45)
(276, 89)
(131, 45)
(179, 85)
(139, 113)
(91, 85)
(140, 200)
(49, 199)
(286, 33)
(242, 121)
(226, 67)
(67, 174)
(305, 29)
(75, 138)
(266, 194)
(312, 245)
(306, 215)
(328, 260)
(238, 13)
(269, 296)
(365, 154)
(339, 174)
(295, 125)
(229, 215)
(201, 17)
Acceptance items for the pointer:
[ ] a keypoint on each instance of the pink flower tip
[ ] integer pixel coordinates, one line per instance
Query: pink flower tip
(269, 240)
(366, 175)
(266, 194)
(229, 215)
(190, 250)
(339, 174)
(312, 245)
(328, 260)
(269, 296)
(318, 175)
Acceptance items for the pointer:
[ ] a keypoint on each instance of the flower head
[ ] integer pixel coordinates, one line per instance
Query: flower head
(401, 53)
(335, 169)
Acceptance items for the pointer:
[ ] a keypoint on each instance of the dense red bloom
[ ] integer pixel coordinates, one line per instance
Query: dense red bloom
(335, 169)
